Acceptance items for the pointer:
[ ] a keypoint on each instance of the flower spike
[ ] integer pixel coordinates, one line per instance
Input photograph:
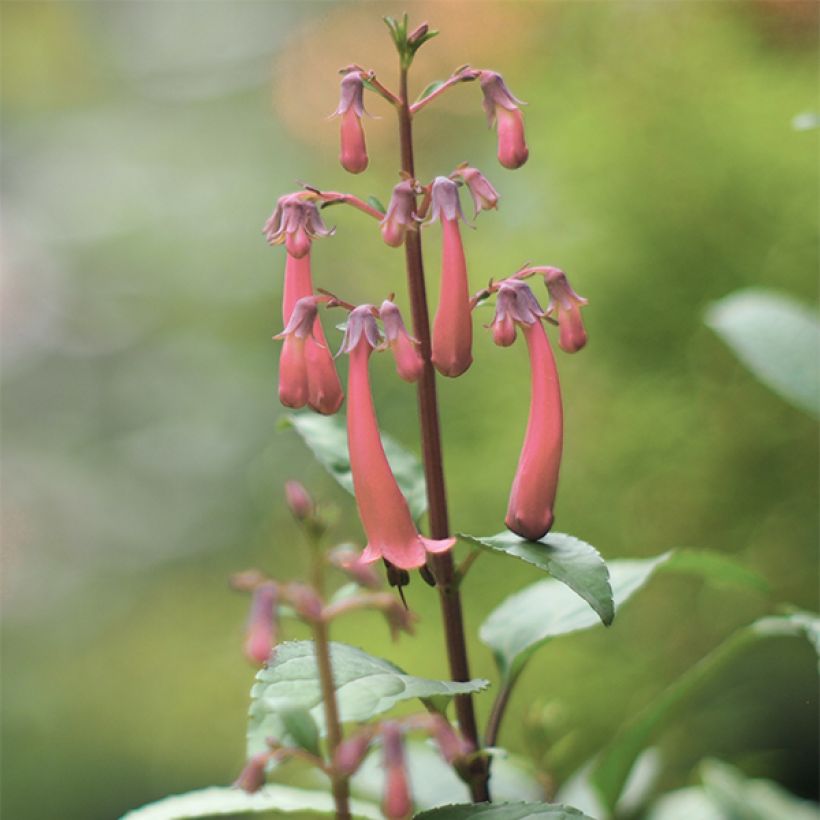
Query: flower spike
(502, 108)
(353, 154)
(383, 509)
(409, 363)
(452, 326)
(564, 301)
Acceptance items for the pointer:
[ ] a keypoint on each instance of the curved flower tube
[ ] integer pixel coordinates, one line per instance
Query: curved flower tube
(564, 301)
(401, 212)
(453, 325)
(502, 108)
(353, 153)
(409, 363)
(383, 510)
(295, 222)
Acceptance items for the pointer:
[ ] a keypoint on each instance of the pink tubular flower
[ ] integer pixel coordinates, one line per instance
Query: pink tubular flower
(383, 509)
(564, 301)
(502, 107)
(401, 212)
(532, 498)
(353, 154)
(481, 190)
(252, 777)
(293, 365)
(409, 363)
(453, 326)
(295, 222)
(396, 803)
(351, 752)
(261, 635)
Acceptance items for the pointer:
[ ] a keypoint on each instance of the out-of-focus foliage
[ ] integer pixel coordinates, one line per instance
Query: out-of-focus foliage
(144, 145)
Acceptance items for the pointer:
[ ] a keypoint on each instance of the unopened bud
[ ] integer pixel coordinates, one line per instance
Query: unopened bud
(261, 634)
(252, 777)
(350, 753)
(305, 601)
(417, 34)
(396, 803)
(298, 500)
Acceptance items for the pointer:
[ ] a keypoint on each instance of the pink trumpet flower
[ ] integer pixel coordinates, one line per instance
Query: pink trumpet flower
(409, 363)
(502, 108)
(564, 301)
(453, 326)
(532, 498)
(485, 197)
(401, 213)
(261, 634)
(397, 803)
(353, 154)
(383, 509)
(293, 363)
(295, 222)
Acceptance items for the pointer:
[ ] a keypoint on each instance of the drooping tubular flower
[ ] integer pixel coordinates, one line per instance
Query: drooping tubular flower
(502, 108)
(481, 190)
(383, 510)
(564, 301)
(353, 154)
(532, 498)
(409, 363)
(397, 803)
(295, 222)
(453, 326)
(401, 213)
(261, 633)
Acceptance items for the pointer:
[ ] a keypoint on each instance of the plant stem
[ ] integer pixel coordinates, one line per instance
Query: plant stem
(339, 785)
(497, 713)
(443, 567)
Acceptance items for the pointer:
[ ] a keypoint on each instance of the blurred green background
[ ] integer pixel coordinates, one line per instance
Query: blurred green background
(145, 143)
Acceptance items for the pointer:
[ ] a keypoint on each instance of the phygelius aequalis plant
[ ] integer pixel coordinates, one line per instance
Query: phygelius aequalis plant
(481, 190)
(383, 510)
(401, 213)
(353, 153)
(502, 108)
(453, 327)
(295, 222)
(532, 498)
(404, 347)
(567, 304)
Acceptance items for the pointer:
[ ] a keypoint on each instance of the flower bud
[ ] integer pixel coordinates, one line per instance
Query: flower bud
(417, 34)
(348, 560)
(252, 777)
(351, 752)
(261, 633)
(298, 500)
(481, 190)
(502, 108)
(564, 301)
(401, 213)
(353, 154)
(450, 743)
(404, 347)
(397, 803)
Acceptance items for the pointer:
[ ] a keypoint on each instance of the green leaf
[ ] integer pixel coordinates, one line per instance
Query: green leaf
(716, 567)
(777, 338)
(504, 811)
(615, 762)
(567, 559)
(300, 725)
(326, 436)
(217, 800)
(365, 686)
(377, 204)
(547, 609)
(436, 784)
(433, 86)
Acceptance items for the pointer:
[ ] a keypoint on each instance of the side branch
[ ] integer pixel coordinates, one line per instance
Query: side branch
(462, 75)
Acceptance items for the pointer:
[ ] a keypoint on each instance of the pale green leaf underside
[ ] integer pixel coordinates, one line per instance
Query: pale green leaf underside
(504, 811)
(777, 338)
(326, 436)
(547, 609)
(365, 686)
(566, 558)
(615, 762)
(219, 800)
(716, 568)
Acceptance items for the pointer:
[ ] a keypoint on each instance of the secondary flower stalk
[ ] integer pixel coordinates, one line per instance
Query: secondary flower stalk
(452, 327)
(383, 509)
(502, 108)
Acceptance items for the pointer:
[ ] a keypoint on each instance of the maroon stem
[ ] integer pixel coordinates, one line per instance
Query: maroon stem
(443, 567)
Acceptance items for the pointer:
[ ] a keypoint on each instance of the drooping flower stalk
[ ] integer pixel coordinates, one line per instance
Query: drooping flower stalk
(453, 326)
(502, 108)
(383, 509)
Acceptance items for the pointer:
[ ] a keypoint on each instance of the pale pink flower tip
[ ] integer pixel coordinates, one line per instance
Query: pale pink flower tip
(404, 347)
(485, 196)
(295, 222)
(567, 304)
(502, 108)
(353, 153)
(401, 214)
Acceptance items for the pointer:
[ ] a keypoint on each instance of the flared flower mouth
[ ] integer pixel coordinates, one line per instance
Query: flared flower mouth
(445, 203)
(496, 94)
(401, 213)
(351, 96)
(295, 215)
(302, 319)
(484, 195)
(361, 324)
(565, 304)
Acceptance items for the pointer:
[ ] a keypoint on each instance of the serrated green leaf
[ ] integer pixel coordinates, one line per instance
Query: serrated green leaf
(435, 784)
(504, 811)
(716, 567)
(326, 436)
(433, 86)
(613, 765)
(377, 204)
(777, 338)
(566, 558)
(217, 800)
(547, 609)
(300, 725)
(365, 686)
